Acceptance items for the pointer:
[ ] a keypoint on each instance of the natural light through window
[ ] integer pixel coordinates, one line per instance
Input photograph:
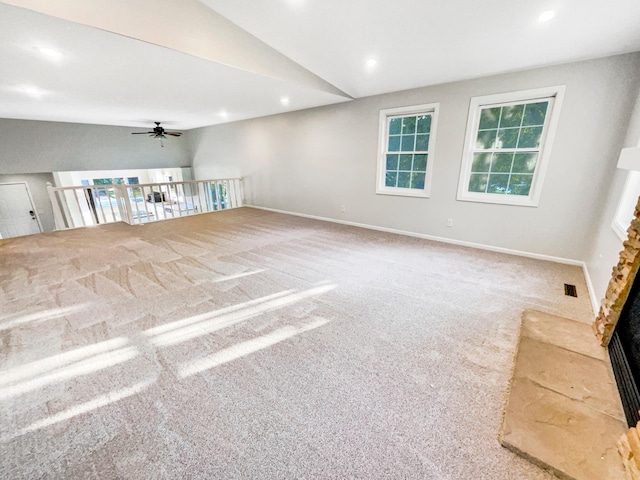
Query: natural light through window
(193, 327)
(65, 366)
(87, 407)
(507, 146)
(7, 322)
(114, 370)
(407, 139)
(248, 347)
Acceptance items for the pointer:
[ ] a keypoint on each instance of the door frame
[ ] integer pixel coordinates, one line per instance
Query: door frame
(33, 205)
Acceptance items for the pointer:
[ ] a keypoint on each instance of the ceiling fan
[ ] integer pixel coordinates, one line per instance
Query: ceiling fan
(158, 132)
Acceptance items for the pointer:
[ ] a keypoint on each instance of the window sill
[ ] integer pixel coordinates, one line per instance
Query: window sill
(620, 232)
(501, 199)
(403, 192)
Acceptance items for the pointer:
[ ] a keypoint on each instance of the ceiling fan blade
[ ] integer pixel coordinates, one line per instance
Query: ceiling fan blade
(158, 132)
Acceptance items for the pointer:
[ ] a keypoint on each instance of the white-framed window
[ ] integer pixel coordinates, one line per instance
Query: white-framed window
(507, 146)
(626, 205)
(406, 148)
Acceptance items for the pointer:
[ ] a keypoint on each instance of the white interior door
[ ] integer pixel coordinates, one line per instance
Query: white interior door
(17, 214)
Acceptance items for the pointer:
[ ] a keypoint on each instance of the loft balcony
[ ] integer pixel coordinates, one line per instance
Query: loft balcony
(88, 205)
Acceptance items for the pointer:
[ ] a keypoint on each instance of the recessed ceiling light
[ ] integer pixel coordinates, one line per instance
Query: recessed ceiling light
(284, 101)
(30, 91)
(50, 53)
(223, 113)
(546, 16)
(372, 62)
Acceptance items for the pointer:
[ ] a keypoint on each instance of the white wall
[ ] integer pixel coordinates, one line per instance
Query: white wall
(152, 175)
(31, 146)
(606, 246)
(215, 151)
(313, 161)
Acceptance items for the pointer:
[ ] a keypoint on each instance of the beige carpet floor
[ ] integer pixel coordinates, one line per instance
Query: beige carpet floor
(249, 344)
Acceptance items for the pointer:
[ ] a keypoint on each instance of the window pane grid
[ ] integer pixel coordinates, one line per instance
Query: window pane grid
(409, 173)
(506, 150)
(407, 150)
(509, 128)
(499, 140)
(516, 126)
(497, 179)
(507, 146)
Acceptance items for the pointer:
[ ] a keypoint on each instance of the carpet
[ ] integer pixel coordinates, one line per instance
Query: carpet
(251, 344)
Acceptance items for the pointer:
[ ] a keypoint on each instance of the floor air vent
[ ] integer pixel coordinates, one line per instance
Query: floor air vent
(570, 290)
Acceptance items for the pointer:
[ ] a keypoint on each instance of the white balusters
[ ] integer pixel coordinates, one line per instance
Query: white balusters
(91, 205)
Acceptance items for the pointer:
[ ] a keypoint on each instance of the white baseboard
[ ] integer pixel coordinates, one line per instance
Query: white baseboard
(508, 251)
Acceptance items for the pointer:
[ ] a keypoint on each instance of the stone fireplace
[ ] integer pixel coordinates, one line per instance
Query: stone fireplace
(622, 277)
(619, 308)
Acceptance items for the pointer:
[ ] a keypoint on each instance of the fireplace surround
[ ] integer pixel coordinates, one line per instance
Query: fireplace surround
(624, 352)
(622, 278)
(615, 326)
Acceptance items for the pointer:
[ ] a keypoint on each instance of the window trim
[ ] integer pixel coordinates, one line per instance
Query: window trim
(556, 93)
(623, 214)
(383, 135)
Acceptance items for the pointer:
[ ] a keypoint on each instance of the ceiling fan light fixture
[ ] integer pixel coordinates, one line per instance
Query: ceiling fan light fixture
(158, 132)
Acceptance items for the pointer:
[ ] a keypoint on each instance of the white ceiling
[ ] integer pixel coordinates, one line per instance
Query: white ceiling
(132, 63)
(426, 42)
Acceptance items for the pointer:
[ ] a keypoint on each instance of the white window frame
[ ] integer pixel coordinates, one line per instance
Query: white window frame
(626, 205)
(383, 141)
(555, 95)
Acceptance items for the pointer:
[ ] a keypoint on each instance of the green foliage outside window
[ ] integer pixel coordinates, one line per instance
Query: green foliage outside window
(407, 151)
(507, 147)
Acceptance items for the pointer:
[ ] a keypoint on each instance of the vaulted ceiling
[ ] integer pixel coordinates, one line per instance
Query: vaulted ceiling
(195, 63)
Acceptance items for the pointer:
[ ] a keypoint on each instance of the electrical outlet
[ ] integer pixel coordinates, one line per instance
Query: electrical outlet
(343, 209)
(449, 222)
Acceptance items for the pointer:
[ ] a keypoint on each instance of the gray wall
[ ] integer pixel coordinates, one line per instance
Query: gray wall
(215, 151)
(606, 244)
(31, 146)
(313, 161)
(37, 183)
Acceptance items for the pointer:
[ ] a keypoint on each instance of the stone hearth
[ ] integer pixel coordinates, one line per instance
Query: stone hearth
(557, 416)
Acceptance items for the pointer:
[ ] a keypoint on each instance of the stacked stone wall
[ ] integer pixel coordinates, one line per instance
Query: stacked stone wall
(622, 277)
(629, 448)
